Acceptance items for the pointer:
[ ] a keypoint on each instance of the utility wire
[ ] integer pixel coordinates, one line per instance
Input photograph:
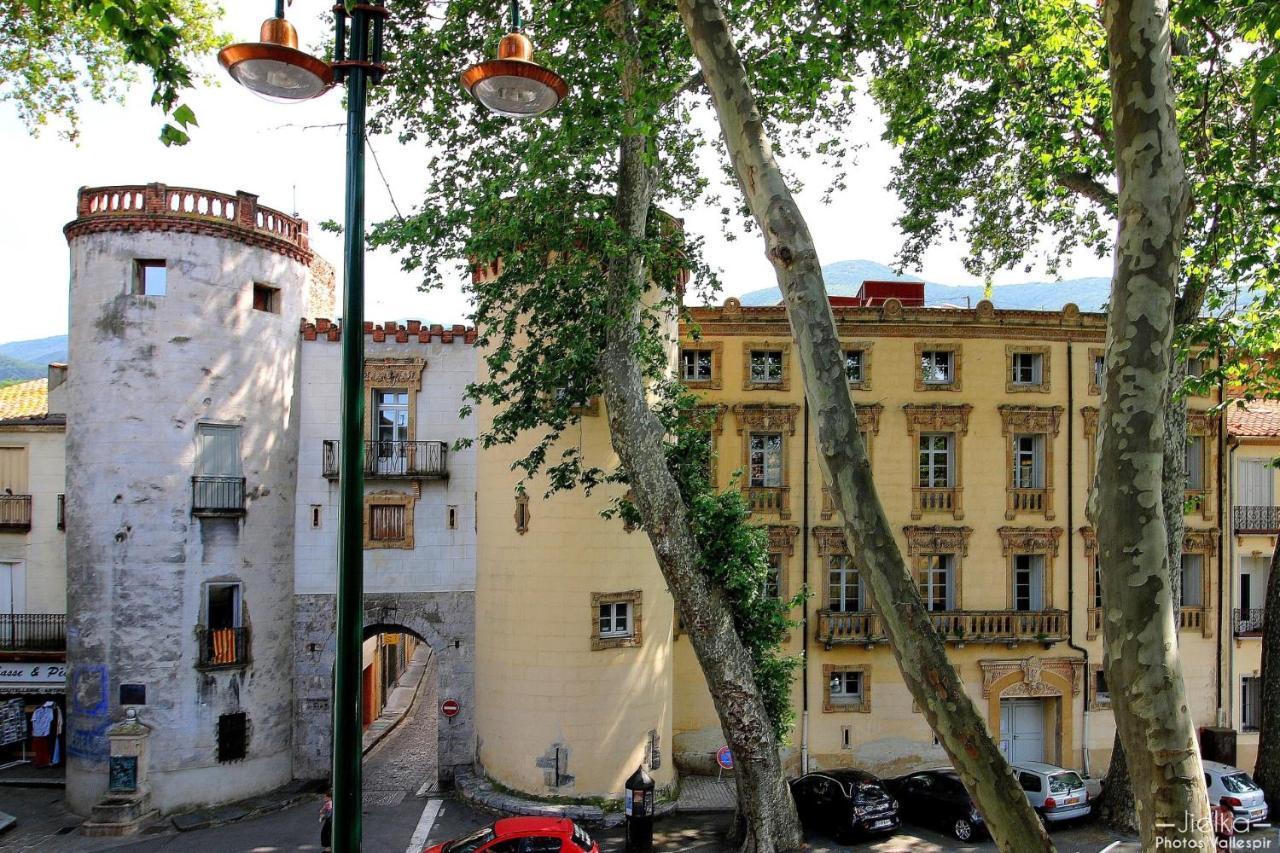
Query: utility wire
(382, 175)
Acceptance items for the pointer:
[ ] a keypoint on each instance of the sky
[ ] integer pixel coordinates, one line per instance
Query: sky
(292, 157)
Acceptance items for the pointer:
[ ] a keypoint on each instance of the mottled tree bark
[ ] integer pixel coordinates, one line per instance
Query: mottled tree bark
(1127, 506)
(1267, 771)
(920, 653)
(764, 800)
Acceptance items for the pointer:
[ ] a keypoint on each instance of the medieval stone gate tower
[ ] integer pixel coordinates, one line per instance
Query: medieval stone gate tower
(182, 447)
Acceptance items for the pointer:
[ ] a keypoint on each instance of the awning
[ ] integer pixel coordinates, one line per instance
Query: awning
(20, 689)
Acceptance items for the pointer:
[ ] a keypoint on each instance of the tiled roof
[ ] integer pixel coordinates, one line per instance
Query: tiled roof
(1259, 419)
(24, 400)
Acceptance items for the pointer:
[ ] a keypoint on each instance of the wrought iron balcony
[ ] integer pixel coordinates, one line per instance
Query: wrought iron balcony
(222, 647)
(33, 632)
(1247, 623)
(418, 460)
(1256, 519)
(15, 513)
(954, 626)
(213, 496)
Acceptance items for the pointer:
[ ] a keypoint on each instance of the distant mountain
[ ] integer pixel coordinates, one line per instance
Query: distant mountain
(17, 369)
(39, 352)
(845, 277)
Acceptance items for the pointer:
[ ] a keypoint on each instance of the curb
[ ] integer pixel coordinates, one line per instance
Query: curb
(232, 812)
(479, 792)
(6, 822)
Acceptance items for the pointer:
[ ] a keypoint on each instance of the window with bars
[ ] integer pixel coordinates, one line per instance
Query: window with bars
(386, 523)
(936, 469)
(937, 582)
(1028, 461)
(937, 367)
(1028, 368)
(766, 460)
(844, 585)
(766, 366)
(695, 365)
(1028, 582)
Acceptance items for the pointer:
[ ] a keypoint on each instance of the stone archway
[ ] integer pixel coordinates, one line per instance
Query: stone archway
(1037, 678)
(443, 620)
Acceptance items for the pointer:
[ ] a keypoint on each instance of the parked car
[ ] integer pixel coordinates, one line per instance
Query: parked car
(844, 803)
(937, 798)
(522, 835)
(1232, 788)
(1057, 794)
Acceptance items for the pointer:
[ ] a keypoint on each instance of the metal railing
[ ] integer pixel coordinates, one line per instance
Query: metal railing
(217, 495)
(1248, 622)
(955, 626)
(222, 646)
(1256, 519)
(414, 459)
(15, 512)
(33, 632)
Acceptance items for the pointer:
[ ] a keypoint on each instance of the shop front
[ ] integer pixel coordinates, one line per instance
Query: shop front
(32, 711)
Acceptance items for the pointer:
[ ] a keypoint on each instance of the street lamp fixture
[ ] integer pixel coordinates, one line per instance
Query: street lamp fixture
(513, 85)
(273, 67)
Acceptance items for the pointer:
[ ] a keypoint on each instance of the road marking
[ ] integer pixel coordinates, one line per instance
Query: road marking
(428, 819)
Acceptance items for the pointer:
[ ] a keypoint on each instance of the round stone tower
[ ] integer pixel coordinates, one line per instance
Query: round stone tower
(182, 446)
(574, 671)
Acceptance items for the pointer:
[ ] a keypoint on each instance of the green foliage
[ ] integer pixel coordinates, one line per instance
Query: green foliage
(55, 52)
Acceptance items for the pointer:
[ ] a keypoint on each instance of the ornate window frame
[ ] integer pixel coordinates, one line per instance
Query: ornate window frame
(831, 707)
(387, 374)
(937, 417)
(1089, 417)
(931, 346)
(754, 418)
(716, 348)
(1093, 625)
(1204, 542)
(634, 597)
(1029, 420)
(1011, 387)
(1204, 425)
(1094, 704)
(865, 348)
(782, 541)
(522, 515)
(923, 541)
(388, 498)
(869, 428)
(781, 346)
(1095, 353)
(1042, 541)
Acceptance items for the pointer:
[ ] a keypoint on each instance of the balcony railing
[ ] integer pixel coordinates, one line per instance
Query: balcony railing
(774, 500)
(217, 495)
(33, 632)
(1026, 500)
(1247, 623)
(1094, 629)
(1191, 618)
(1256, 519)
(15, 513)
(928, 499)
(956, 626)
(222, 647)
(424, 460)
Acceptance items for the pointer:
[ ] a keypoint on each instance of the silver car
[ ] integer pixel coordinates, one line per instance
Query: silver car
(1054, 792)
(1232, 788)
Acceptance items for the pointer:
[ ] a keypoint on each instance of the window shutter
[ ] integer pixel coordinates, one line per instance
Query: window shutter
(217, 451)
(13, 470)
(1036, 564)
(1037, 462)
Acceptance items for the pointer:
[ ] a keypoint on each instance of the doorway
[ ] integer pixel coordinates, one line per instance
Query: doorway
(1022, 729)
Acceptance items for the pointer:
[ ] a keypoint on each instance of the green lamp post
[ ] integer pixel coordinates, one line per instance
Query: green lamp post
(274, 68)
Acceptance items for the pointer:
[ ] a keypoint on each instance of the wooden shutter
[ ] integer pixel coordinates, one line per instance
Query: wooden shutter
(13, 470)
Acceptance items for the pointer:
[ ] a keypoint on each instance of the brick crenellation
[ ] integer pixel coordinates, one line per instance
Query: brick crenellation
(412, 331)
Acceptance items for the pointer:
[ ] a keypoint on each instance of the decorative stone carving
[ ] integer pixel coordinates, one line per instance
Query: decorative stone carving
(1030, 419)
(1030, 540)
(764, 418)
(1202, 423)
(713, 416)
(869, 418)
(831, 541)
(394, 373)
(1090, 541)
(1032, 669)
(1200, 541)
(782, 537)
(985, 310)
(937, 540)
(1090, 416)
(938, 417)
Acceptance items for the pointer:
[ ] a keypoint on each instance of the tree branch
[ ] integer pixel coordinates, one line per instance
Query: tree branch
(1084, 184)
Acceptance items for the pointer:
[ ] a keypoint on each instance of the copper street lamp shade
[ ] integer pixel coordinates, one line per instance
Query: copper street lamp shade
(274, 68)
(514, 85)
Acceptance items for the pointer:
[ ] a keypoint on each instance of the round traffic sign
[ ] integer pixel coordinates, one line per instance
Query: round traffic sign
(450, 707)
(724, 758)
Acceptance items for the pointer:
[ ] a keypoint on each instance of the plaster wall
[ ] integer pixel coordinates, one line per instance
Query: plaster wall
(148, 369)
(40, 553)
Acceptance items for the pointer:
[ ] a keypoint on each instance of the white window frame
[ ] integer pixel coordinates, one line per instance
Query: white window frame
(764, 364)
(226, 461)
(1028, 461)
(694, 358)
(938, 367)
(842, 681)
(937, 581)
(770, 463)
(615, 620)
(929, 455)
(844, 583)
(1028, 368)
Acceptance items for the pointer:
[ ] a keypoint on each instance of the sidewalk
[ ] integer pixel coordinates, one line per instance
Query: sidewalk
(401, 700)
(27, 775)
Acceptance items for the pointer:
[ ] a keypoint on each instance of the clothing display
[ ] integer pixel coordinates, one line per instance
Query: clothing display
(46, 728)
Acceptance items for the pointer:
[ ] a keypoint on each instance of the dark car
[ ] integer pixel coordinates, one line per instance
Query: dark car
(844, 803)
(937, 798)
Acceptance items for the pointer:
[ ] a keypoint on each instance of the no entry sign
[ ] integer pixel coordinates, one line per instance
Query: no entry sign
(450, 707)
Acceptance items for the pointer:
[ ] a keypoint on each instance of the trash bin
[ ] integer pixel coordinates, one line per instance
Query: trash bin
(638, 808)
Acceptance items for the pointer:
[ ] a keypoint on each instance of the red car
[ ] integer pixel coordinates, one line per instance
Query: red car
(523, 835)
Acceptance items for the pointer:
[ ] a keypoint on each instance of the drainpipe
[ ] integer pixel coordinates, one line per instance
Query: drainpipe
(1224, 523)
(804, 608)
(1226, 712)
(1071, 560)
